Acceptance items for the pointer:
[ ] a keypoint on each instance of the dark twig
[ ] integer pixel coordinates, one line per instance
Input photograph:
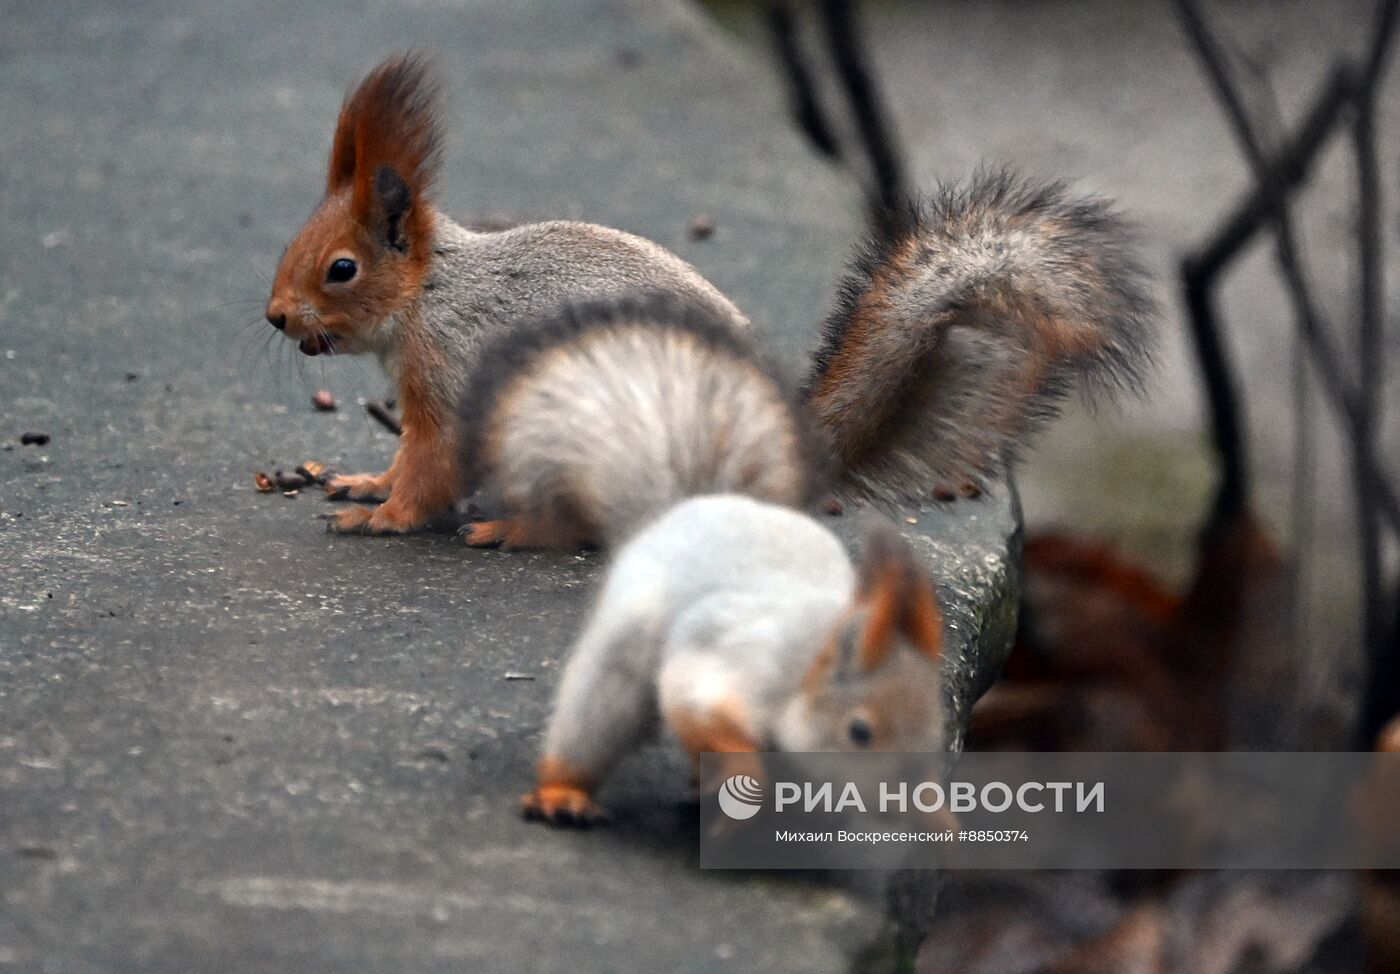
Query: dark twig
(802, 91)
(1382, 42)
(848, 52)
(1276, 178)
(1200, 272)
(382, 414)
(1227, 415)
(1214, 61)
(1288, 169)
(1383, 691)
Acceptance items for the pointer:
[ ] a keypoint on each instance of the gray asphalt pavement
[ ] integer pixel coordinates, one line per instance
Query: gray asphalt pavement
(230, 741)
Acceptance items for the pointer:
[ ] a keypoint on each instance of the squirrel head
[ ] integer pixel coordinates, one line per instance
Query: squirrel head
(875, 685)
(364, 252)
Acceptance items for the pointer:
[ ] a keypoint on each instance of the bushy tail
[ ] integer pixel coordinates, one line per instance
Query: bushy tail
(961, 328)
(597, 420)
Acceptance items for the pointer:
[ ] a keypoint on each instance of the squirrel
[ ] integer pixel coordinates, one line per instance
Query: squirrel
(653, 426)
(378, 269)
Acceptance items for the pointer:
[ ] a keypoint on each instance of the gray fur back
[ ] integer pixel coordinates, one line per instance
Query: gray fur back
(483, 284)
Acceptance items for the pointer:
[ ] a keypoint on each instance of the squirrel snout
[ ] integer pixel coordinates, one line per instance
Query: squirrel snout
(276, 319)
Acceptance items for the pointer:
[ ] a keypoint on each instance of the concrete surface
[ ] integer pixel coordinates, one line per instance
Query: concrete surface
(229, 741)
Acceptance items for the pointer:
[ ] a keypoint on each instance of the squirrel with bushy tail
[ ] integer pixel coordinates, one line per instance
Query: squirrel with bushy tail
(600, 390)
(653, 427)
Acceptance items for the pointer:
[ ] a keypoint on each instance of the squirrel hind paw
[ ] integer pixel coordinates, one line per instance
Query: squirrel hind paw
(485, 534)
(565, 806)
(353, 520)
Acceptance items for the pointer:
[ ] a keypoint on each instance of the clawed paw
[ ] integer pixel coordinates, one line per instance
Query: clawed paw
(485, 534)
(354, 520)
(567, 806)
(356, 487)
(369, 520)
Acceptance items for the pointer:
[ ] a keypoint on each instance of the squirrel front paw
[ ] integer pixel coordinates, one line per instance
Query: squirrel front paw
(385, 519)
(357, 487)
(563, 805)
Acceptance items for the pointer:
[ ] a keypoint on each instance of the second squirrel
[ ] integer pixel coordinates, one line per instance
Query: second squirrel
(653, 427)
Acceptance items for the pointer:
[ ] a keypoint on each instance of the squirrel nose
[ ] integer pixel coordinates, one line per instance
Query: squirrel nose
(278, 321)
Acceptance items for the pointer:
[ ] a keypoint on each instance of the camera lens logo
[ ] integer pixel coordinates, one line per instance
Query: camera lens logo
(741, 797)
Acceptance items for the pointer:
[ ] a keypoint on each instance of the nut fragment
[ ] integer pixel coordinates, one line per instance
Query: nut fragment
(263, 483)
(292, 481)
(323, 400)
(315, 472)
(702, 226)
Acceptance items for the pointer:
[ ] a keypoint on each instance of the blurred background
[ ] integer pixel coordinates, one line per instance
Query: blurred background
(1211, 566)
(1214, 566)
(1115, 97)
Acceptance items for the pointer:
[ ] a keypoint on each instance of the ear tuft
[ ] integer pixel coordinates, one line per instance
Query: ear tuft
(390, 122)
(899, 596)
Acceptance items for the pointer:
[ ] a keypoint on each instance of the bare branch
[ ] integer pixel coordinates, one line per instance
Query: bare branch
(890, 189)
(1276, 178)
(802, 91)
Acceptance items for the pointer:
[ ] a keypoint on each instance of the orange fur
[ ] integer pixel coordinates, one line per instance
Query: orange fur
(389, 122)
(851, 362)
(390, 119)
(884, 599)
(899, 601)
(1389, 739)
(1098, 565)
(923, 622)
(517, 534)
(719, 730)
(561, 795)
(425, 476)
(1380, 909)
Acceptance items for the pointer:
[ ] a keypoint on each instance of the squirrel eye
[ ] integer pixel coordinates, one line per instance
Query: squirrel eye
(861, 732)
(341, 270)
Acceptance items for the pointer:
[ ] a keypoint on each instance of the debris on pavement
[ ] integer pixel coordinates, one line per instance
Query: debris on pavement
(383, 413)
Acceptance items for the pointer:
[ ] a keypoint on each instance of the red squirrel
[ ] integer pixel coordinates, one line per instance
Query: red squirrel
(378, 269)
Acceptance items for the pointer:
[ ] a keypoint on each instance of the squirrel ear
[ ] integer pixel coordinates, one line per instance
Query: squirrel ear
(392, 200)
(883, 579)
(341, 170)
(882, 624)
(386, 147)
(923, 621)
(899, 597)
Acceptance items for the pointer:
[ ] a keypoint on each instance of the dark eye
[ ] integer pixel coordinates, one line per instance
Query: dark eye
(861, 732)
(341, 270)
